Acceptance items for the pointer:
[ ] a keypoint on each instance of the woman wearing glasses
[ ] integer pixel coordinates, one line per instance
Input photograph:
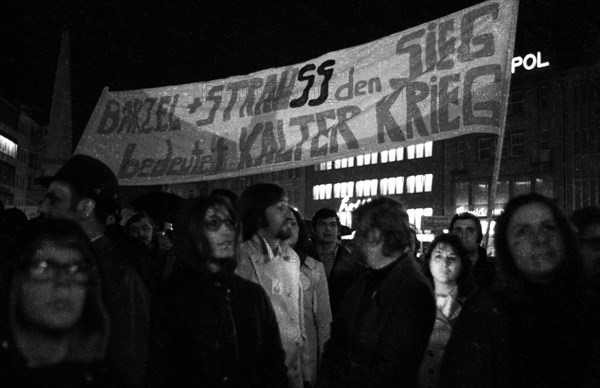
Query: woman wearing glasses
(53, 324)
(447, 266)
(212, 328)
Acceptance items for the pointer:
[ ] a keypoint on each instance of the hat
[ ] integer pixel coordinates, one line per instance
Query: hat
(91, 178)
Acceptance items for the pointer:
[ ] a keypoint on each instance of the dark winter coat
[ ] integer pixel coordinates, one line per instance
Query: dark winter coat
(525, 334)
(381, 330)
(213, 330)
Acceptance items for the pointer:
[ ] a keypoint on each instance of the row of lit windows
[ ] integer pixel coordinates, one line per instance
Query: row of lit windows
(414, 216)
(416, 151)
(369, 187)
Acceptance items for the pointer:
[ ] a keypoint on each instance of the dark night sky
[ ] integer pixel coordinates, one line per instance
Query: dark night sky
(139, 44)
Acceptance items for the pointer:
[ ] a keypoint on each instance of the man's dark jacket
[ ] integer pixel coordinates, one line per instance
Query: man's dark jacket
(379, 337)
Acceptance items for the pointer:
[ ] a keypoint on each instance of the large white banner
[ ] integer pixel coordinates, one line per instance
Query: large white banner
(442, 79)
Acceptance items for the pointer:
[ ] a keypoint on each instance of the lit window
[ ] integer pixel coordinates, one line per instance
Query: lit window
(359, 188)
(400, 152)
(373, 186)
(411, 215)
(344, 162)
(315, 193)
(418, 215)
(392, 155)
(383, 186)
(410, 184)
(351, 161)
(392, 186)
(329, 165)
(384, 156)
(359, 160)
(420, 150)
(323, 166)
(336, 190)
(351, 189)
(337, 163)
(429, 149)
(328, 191)
(322, 190)
(367, 159)
(428, 211)
(410, 150)
(374, 158)
(366, 188)
(428, 182)
(521, 187)
(344, 189)
(400, 185)
(419, 183)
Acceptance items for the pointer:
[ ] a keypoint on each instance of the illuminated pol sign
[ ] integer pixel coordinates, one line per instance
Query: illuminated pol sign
(529, 62)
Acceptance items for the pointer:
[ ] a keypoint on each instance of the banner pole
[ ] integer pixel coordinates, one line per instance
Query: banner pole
(502, 123)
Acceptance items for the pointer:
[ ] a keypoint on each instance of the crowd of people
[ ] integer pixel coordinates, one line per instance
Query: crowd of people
(244, 292)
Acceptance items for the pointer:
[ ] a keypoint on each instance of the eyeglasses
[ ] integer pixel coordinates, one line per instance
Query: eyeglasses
(214, 224)
(47, 269)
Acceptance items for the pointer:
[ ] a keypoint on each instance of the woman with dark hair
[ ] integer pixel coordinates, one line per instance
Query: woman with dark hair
(447, 266)
(53, 323)
(317, 310)
(537, 327)
(210, 327)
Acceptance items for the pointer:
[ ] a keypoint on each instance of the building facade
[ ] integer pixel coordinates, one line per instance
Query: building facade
(21, 154)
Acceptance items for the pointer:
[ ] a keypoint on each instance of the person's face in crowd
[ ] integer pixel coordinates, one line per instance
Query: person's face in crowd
(589, 245)
(219, 228)
(294, 228)
(275, 217)
(58, 201)
(53, 287)
(535, 241)
(142, 230)
(445, 265)
(466, 230)
(326, 230)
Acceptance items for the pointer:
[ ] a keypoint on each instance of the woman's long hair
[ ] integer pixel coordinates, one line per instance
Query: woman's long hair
(197, 235)
(303, 246)
(569, 274)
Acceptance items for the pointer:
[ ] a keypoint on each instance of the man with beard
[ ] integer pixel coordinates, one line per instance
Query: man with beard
(267, 260)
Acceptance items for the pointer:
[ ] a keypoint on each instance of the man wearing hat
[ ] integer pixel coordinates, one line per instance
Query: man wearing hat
(87, 191)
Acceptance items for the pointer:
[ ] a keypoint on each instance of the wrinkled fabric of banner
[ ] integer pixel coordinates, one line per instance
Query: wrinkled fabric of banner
(442, 79)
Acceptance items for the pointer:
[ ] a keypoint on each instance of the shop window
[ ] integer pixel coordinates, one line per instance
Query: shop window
(544, 187)
(461, 194)
(521, 187)
(480, 194)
